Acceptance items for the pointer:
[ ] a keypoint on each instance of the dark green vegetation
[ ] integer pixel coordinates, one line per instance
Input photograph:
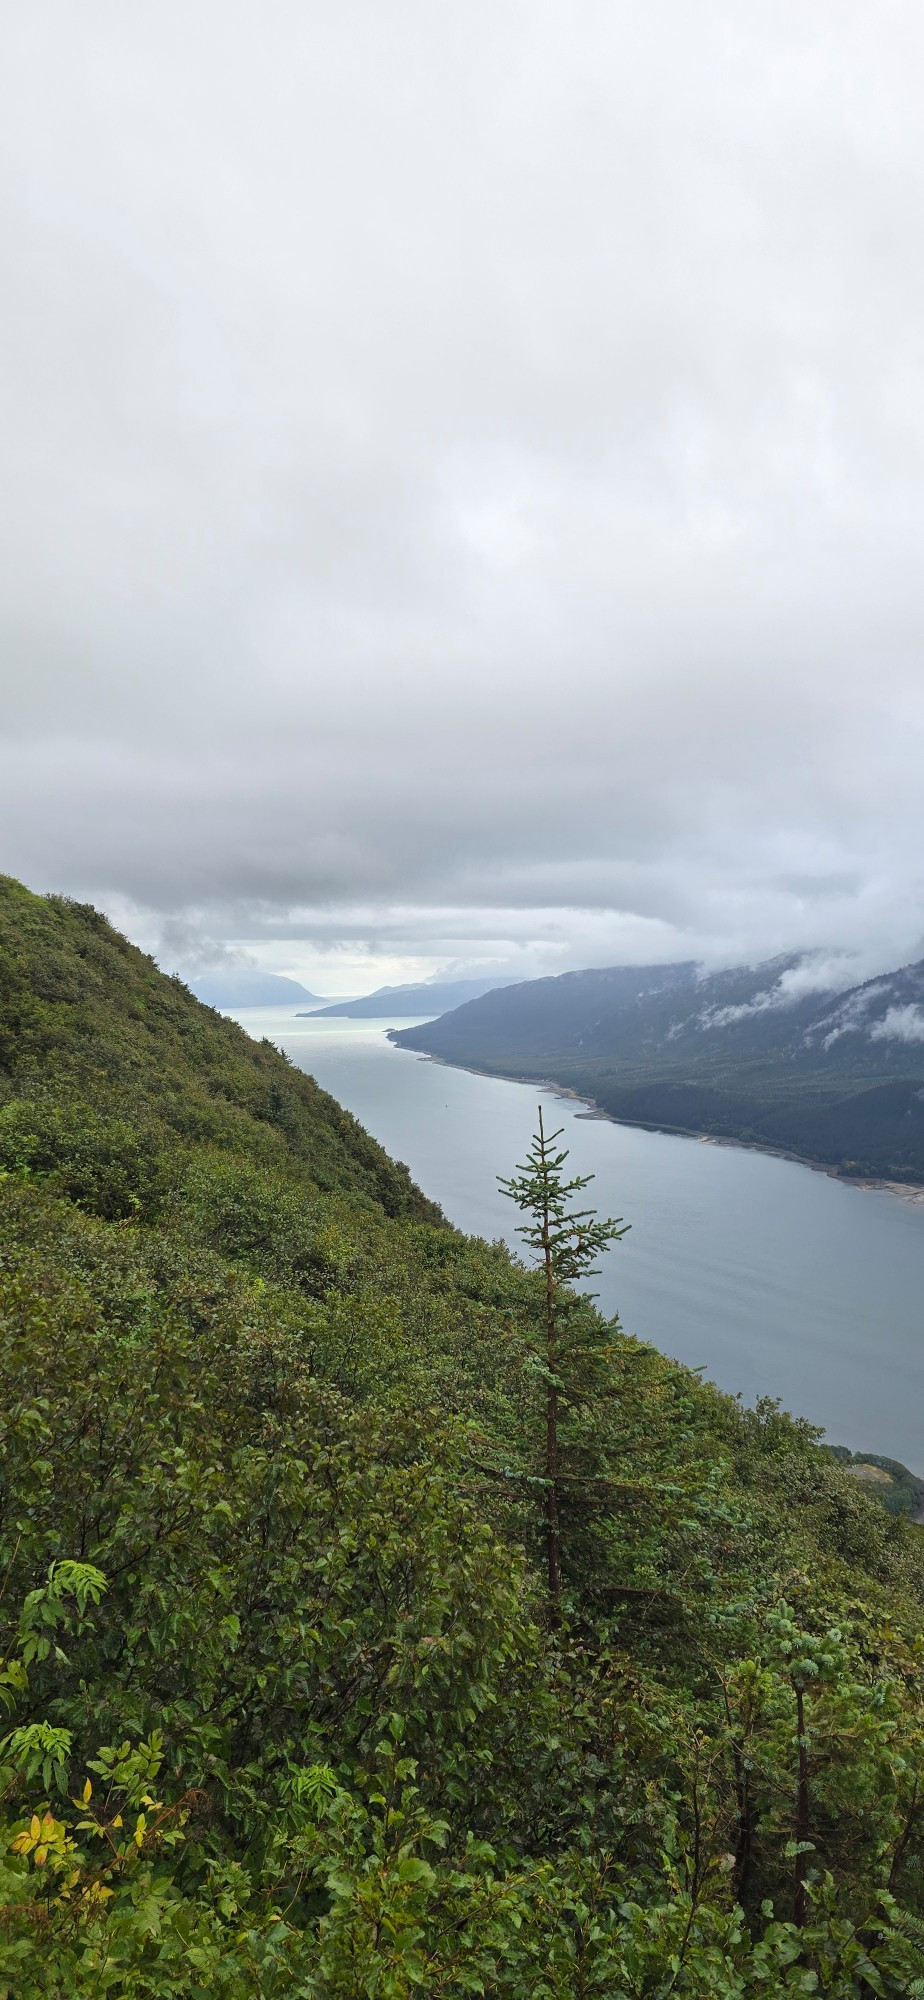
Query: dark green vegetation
(750, 1054)
(573, 1351)
(287, 1712)
(393, 1001)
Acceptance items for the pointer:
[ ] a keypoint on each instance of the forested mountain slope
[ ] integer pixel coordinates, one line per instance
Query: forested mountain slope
(288, 1711)
(762, 1054)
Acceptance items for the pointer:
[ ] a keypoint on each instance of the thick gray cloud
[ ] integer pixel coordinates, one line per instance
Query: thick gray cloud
(463, 475)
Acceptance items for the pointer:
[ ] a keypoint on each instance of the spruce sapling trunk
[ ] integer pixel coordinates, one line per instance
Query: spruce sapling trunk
(566, 1242)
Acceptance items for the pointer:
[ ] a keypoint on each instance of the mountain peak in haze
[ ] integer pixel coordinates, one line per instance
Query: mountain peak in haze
(246, 986)
(435, 997)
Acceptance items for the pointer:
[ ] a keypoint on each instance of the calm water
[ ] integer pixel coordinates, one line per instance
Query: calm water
(776, 1280)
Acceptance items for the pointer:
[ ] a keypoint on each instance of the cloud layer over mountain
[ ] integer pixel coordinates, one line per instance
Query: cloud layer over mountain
(464, 476)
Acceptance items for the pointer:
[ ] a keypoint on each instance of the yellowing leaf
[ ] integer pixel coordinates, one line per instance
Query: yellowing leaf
(87, 1792)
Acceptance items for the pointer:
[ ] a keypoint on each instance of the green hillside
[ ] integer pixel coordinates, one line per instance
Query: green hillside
(287, 1709)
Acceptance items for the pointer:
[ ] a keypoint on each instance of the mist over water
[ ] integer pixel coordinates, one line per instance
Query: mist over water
(773, 1279)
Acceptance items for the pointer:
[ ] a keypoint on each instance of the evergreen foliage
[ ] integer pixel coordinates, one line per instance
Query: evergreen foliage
(574, 1359)
(285, 1712)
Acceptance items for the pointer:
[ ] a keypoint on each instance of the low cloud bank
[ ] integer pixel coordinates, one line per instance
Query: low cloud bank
(449, 511)
(900, 1024)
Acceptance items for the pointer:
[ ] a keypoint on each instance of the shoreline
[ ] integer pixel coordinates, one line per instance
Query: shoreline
(911, 1191)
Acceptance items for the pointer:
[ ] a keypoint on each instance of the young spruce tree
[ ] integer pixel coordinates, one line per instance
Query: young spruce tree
(566, 1242)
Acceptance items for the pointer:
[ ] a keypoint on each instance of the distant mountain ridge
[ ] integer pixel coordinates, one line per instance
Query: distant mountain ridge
(246, 987)
(782, 1054)
(435, 998)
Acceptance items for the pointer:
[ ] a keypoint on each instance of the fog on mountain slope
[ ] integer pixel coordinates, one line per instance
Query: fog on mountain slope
(758, 1054)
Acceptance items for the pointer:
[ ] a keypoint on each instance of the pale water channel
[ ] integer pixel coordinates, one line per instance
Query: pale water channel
(775, 1280)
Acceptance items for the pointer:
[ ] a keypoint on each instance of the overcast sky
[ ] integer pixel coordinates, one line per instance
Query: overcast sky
(463, 477)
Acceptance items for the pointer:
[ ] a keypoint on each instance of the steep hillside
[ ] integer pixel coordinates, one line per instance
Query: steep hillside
(288, 1709)
(762, 1054)
(109, 1071)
